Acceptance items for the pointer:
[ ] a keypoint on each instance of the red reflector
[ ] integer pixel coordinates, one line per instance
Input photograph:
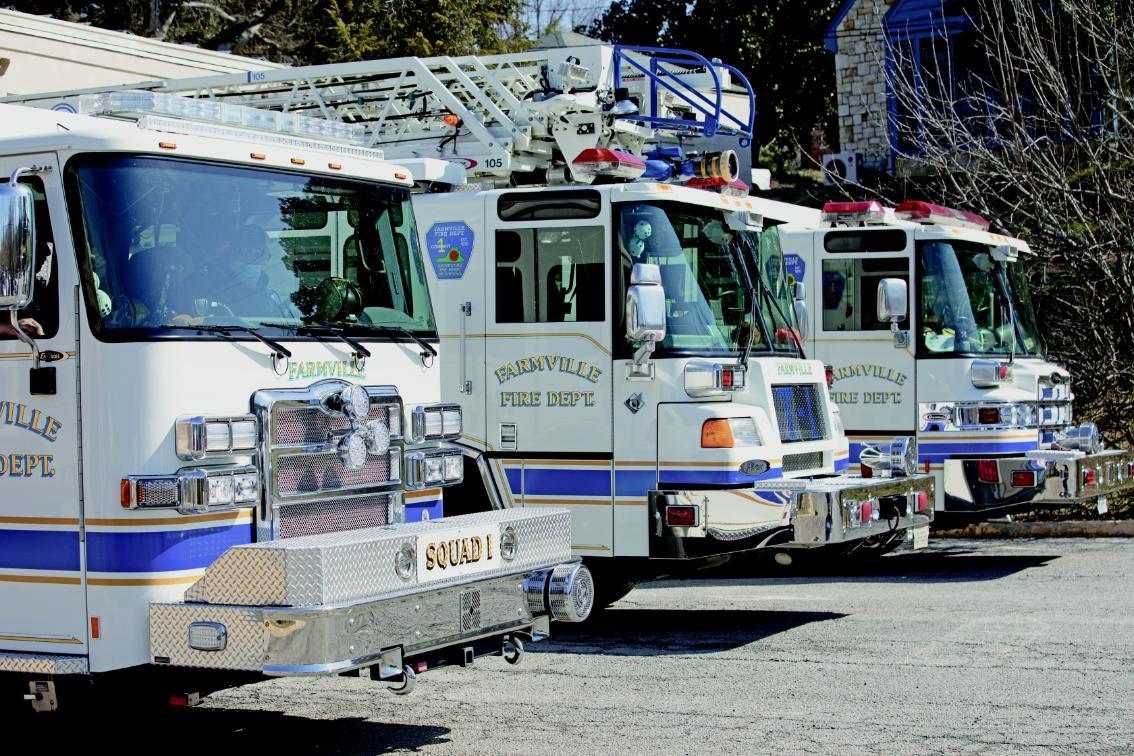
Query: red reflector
(920, 501)
(96, 628)
(179, 700)
(867, 511)
(124, 493)
(726, 379)
(1023, 478)
(420, 667)
(682, 516)
(1088, 477)
(988, 471)
(829, 372)
(1003, 368)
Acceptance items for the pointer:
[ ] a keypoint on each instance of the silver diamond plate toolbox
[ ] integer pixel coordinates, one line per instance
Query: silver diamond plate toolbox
(336, 568)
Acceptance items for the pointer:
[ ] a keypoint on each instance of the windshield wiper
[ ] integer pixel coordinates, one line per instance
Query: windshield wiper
(779, 311)
(397, 329)
(279, 349)
(755, 313)
(327, 329)
(371, 328)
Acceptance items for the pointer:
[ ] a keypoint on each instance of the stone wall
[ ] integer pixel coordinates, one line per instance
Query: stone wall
(861, 82)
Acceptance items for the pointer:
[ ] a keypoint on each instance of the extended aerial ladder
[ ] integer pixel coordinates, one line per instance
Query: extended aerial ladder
(510, 118)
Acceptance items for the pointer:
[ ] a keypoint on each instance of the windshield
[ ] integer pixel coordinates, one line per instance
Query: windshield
(708, 302)
(171, 243)
(969, 301)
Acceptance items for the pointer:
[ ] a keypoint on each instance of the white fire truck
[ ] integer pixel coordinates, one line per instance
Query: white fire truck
(615, 352)
(214, 429)
(963, 369)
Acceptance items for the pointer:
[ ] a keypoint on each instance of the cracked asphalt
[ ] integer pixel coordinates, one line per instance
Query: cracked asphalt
(970, 646)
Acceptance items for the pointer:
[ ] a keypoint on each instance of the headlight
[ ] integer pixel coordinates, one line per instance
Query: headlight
(193, 490)
(435, 422)
(434, 467)
(197, 437)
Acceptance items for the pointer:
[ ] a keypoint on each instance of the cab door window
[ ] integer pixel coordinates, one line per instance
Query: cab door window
(550, 275)
(850, 291)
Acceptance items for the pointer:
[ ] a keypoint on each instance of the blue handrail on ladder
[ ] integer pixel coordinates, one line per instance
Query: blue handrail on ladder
(716, 118)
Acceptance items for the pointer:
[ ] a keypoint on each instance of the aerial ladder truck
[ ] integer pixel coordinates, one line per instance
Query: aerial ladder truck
(620, 341)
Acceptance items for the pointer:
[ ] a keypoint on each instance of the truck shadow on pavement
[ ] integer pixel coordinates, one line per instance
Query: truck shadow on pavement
(942, 564)
(203, 729)
(665, 632)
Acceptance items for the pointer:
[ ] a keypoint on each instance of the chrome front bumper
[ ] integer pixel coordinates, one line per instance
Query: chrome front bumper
(333, 603)
(811, 512)
(1060, 477)
(823, 508)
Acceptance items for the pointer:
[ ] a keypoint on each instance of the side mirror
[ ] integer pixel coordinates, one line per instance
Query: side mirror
(17, 245)
(798, 291)
(892, 297)
(645, 305)
(802, 318)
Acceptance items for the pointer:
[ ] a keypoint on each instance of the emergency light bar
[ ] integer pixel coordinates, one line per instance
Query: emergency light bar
(734, 188)
(169, 112)
(852, 213)
(601, 161)
(926, 212)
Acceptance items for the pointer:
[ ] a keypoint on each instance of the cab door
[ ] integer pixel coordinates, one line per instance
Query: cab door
(873, 376)
(548, 357)
(42, 604)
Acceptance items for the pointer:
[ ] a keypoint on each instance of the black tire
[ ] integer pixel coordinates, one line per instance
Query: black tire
(611, 584)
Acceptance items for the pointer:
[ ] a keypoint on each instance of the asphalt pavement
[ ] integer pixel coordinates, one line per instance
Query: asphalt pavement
(989, 646)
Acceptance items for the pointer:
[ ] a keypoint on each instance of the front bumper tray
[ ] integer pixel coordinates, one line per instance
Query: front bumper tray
(333, 602)
(821, 508)
(1067, 474)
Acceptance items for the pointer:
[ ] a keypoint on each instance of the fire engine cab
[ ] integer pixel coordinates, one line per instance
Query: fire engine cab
(925, 317)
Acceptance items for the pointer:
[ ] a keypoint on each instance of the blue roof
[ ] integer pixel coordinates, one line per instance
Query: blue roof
(830, 39)
(905, 17)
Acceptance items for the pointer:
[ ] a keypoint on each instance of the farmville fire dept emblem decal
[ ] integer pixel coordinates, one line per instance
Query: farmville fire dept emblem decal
(449, 246)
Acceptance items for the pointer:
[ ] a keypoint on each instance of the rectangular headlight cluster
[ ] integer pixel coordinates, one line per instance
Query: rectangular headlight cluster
(434, 467)
(709, 378)
(198, 437)
(435, 422)
(193, 490)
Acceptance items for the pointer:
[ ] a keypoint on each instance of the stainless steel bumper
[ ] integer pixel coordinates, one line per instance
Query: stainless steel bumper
(823, 509)
(334, 602)
(813, 513)
(1060, 477)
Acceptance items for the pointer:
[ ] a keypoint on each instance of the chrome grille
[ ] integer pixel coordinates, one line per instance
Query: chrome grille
(470, 610)
(309, 425)
(799, 412)
(323, 472)
(334, 515)
(308, 489)
(158, 492)
(806, 461)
